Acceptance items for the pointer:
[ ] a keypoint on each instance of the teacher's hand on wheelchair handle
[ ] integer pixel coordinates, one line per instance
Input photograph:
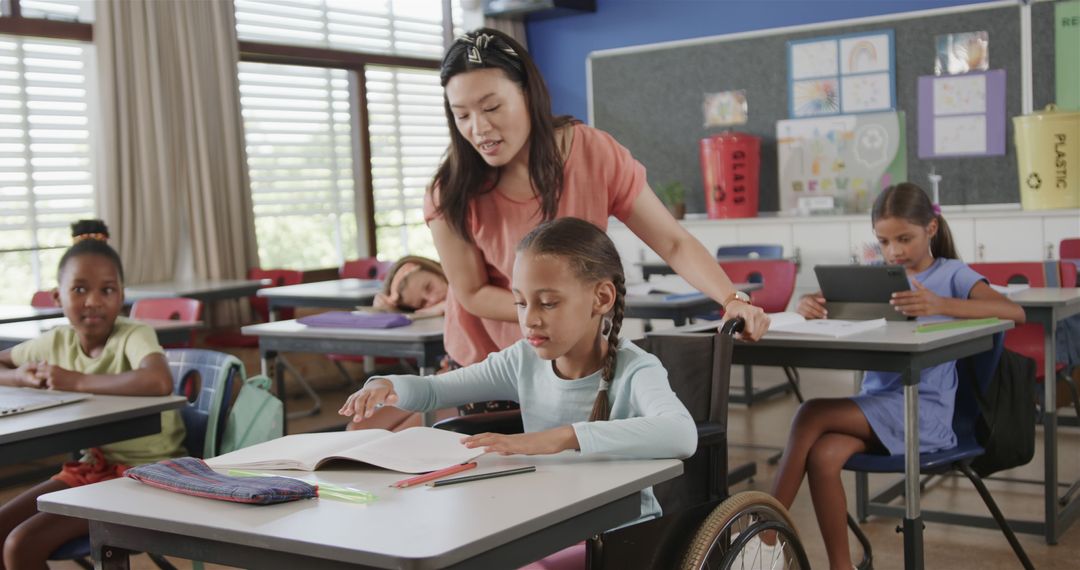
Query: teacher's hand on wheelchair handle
(756, 322)
(375, 394)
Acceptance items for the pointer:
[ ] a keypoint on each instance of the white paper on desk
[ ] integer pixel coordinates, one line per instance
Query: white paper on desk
(834, 328)
(664, 284)
(775, 320)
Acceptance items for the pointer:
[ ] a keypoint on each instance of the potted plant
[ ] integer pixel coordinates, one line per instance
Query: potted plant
(672, 194)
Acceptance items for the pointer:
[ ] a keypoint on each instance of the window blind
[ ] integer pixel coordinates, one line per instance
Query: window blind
(46, 175)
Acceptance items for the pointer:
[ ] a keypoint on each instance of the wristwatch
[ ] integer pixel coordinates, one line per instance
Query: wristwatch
(737, 296)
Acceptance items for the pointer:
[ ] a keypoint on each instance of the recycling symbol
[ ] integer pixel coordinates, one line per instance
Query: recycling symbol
(1034, 181)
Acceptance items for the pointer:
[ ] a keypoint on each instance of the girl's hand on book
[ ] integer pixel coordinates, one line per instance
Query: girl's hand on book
(919, 302)
(363, 403)
(537, 443)
(812, 306)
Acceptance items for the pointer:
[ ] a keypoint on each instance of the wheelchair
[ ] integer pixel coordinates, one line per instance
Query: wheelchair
(702, 527)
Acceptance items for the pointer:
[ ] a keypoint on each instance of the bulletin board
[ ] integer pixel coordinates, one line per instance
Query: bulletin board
(650, 97)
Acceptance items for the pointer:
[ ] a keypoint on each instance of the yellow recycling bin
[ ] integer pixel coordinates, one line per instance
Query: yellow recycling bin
(1048, 159)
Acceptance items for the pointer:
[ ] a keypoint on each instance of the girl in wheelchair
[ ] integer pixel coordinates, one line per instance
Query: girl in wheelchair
(580, 386)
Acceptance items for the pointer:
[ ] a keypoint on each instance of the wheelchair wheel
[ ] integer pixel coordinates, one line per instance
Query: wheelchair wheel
(732, 533)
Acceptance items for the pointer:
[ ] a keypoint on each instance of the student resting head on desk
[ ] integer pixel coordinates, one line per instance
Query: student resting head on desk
(826, 432)
(571, 373)
(512, 165)
(97, 352)
(414, 285)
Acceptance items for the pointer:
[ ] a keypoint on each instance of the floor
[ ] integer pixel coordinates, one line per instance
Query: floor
(766, 425)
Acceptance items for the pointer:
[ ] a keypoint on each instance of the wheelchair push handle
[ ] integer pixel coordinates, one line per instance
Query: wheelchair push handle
(733, 326)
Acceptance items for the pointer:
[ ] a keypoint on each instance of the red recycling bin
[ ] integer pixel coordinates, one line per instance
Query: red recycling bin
(729, 168)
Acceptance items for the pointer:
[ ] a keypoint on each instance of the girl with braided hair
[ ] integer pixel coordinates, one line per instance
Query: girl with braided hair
(580, 386)
(512, 165)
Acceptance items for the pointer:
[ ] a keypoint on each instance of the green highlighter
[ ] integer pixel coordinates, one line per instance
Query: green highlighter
(959, 324)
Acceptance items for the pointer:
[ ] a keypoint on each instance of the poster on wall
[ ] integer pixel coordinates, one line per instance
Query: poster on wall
(1066, 46)
(839, 164)
(724, 108)
(962, 115)
(845, 74)
(962, 53)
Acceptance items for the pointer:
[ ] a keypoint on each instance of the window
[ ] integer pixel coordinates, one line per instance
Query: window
(408, 138)
(68, 10)
(298, 128)
(46, 178)
(304, 157)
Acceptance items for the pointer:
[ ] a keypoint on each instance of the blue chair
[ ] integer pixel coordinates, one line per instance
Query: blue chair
(205, 378)
(753, 251)
(966, 413)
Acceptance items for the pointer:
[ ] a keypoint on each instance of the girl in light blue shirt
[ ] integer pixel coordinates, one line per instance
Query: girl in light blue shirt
(579, 386)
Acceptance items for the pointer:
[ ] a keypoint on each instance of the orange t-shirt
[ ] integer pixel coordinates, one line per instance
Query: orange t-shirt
(600, 179)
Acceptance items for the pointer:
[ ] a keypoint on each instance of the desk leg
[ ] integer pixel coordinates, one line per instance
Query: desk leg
(1050, 428)
(913, 525)
(106, 557)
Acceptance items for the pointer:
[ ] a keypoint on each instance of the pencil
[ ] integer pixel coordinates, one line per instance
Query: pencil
(481, 476)
(433, 475)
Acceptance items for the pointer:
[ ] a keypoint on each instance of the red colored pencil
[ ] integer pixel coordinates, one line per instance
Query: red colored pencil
(421, 479)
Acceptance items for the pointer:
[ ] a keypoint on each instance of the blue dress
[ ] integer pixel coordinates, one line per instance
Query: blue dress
(882, 396)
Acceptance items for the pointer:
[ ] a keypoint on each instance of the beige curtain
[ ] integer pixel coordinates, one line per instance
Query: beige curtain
(173, 137)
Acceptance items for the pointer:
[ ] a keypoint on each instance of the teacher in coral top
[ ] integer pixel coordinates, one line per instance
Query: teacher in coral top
(512, 165)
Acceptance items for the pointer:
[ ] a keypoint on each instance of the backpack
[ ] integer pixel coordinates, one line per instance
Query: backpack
(255, 417)
(1006, 428)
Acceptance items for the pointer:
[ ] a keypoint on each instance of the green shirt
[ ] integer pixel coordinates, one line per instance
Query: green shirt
(127, 346)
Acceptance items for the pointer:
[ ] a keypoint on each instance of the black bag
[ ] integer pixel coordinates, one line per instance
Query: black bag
(1006, 428)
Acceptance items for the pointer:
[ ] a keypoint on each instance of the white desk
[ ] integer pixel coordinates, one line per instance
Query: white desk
(338, 293)
(95, 421)
(168, 332)
(498, 523)
(205, 290)
(20, 313)
(1047, 306)
(896, 347)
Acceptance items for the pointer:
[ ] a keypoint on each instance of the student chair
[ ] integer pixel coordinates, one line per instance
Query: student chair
(231, 338)
(170, 309)
(364, 268)
(777, 278)
(754, 251)
(206, 378)
(1069, 271)
(973, 372)
(43, 300)
(1027, 339)
(1069, 248)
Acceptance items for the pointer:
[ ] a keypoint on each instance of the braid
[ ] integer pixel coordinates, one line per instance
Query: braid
(600, 406)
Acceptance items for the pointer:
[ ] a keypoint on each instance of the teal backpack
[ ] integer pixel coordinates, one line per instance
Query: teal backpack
(256, 416)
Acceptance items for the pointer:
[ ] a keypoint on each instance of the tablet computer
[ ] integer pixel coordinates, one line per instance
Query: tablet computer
(858, 292)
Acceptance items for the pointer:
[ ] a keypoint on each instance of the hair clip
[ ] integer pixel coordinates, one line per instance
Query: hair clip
(936, 208)
(605, 385)
(94, 236)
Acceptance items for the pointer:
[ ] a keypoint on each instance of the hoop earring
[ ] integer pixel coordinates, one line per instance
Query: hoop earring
(606, 325)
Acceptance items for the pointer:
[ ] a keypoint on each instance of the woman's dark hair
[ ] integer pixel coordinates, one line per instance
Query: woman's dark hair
(909, 202)
(90, 238)
(592, 257)
(463, 174)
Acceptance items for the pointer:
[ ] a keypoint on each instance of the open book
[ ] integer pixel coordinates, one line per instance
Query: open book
(790, 322)
(415, 450)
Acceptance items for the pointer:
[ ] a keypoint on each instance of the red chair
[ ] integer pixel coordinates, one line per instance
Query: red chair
(364, 268)
(1069, 271)
(1027, 339)
(1069, 248)
(43, 300)
(170, 309)
(777, 278)
(231, 338)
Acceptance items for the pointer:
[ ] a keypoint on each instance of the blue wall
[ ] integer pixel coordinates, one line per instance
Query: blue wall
(561, 45)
